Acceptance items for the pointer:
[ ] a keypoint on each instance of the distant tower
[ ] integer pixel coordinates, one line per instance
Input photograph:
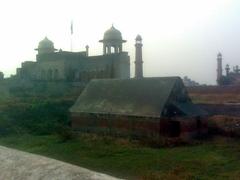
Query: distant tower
(87, 50)
(219, 68)
(237, 69)
(112, 41)
(138, 58)
(227, 69)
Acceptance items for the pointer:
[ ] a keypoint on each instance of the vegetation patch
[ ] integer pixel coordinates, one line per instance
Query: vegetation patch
(216, 158)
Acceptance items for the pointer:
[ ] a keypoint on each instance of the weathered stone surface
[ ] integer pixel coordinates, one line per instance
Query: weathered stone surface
(18, 165)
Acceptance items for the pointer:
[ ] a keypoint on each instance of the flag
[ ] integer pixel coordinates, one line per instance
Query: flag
(71, 27)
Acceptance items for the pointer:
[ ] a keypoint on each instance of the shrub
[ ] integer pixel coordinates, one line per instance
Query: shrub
(64, 132)
(38, 117)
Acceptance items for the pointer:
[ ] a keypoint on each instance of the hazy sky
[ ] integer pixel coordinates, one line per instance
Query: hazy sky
(180, 37)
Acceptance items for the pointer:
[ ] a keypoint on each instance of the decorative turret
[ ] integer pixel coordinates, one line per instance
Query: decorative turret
(112, 39)
(45, 46)
(219, 68)
(138, 58)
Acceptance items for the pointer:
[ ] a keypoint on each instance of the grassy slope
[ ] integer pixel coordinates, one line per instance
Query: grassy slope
(218, 158)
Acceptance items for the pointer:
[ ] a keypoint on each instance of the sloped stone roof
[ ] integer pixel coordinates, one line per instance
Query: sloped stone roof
(133, 97)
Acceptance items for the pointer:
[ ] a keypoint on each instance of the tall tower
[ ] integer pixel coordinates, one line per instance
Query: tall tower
(138, 58)
(227, 70)
(219, 68)
(87, 50)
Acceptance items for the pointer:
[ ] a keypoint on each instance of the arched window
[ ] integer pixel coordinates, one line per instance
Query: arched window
(112, 50)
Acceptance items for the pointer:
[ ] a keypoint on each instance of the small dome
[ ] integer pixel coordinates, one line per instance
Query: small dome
(219, 54)
(112, 34)
(138, 38)
(45, 44)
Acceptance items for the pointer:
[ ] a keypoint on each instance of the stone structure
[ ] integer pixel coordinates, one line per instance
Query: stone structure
(138, 58)
(231, 77)
(151, 107)
(53, 65)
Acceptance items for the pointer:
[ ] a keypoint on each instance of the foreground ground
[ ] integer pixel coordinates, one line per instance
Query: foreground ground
(218, 158)
(20, 165)
(41, 110)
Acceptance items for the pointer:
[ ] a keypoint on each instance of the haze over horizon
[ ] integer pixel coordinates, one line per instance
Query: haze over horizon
(180, 37)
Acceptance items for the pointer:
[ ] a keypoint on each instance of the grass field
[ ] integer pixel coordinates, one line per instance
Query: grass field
(218, 158)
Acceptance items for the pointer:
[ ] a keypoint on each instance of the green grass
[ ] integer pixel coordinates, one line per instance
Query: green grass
(214, 159)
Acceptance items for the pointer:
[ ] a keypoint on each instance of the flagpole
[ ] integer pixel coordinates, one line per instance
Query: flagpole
(71, 43)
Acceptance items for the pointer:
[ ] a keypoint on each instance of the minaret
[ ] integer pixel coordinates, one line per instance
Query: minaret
(138, 58)
(227, 69)
(87, 50)
(219, 68)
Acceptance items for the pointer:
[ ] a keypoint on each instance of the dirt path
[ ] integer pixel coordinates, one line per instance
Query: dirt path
(18, 165)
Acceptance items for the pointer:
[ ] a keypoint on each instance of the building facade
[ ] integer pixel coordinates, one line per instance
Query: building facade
(57, 65)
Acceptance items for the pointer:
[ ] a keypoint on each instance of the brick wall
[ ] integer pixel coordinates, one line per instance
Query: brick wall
(138, 126)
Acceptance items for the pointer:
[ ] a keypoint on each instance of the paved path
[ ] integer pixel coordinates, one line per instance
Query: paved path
(18, 165)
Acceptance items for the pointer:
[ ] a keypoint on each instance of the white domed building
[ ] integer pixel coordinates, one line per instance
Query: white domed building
(58, 65)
